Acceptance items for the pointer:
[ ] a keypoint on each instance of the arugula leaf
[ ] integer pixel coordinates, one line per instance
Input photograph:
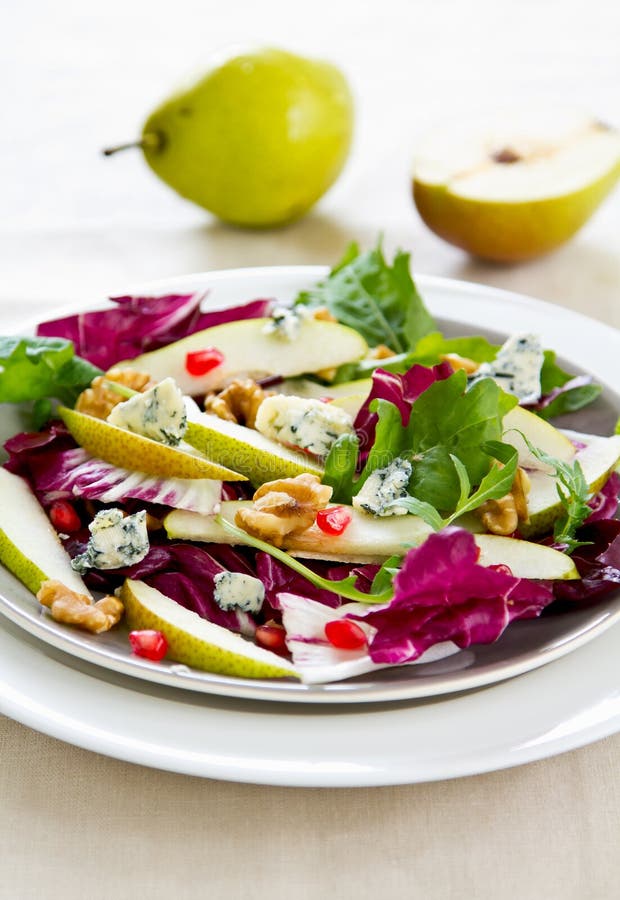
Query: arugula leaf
(345, 587)
(378, 300)
(340, 467)
(573, 492)
(41, 368)
(496, 483)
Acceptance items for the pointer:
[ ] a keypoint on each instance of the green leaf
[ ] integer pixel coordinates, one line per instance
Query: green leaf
(382, 582)
(573, 492)
(340, 466)
(448, 416)
(41, 368)
(570, 400)
(378, 300)
(551, 374)
(344, 587)
(496, 483)
(421, 508)
(464, 482)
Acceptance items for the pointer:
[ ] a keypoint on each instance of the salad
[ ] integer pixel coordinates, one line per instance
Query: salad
(306, 491)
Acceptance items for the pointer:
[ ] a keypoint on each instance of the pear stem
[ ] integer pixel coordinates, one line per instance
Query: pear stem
(147, 140)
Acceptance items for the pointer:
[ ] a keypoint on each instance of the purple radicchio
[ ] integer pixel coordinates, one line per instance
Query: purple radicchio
(441, 593)
(137, 325)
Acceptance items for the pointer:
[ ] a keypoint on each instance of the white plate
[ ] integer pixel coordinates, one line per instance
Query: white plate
(287, 752)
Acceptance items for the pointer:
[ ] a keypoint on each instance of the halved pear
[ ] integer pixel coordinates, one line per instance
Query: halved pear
(540, 434)
(597, 460)
(247, 451)
(248, 349)
(129, 450)
(194, 641)
(29, 545)
(372, 540)
(515, 184)
(351, 403)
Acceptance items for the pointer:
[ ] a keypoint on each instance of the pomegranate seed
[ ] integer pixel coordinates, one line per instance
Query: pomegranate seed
(334, 520)
(345, 634)
(202, 361)
(149, 644)
(271, 636)
(64, 517)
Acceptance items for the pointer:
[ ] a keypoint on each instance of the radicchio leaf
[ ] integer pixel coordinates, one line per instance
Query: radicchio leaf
(140, 324)
(441, 593)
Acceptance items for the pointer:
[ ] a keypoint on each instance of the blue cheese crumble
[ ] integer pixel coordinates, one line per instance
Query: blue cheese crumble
(234, 590)
(310, 425)
(115, 541)
(383, 487)
(158, 413)
(516, 368)
(286, 322)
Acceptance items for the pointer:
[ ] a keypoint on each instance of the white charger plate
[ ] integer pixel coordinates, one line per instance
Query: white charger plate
(126, 722)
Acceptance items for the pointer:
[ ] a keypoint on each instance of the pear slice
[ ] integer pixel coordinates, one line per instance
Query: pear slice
(540, 434)
(129, 450)
(249, 349)
(516, 184)
(597, 460)
(372, 540)
(303, 387)
(247, 451)
(29, 545)
(194, 641)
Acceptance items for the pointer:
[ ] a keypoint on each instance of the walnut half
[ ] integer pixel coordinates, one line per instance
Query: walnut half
(99, 400)
(502, 516)
(284, 507)
(238, 402)
(72, 608)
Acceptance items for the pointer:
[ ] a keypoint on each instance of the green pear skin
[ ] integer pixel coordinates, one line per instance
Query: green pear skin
(506, 231)
(133, 451)
(196, 642)
(257, 140)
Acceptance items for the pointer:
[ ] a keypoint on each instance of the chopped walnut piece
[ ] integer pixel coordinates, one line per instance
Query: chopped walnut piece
(460, 362)
(238, 402)
(322, 314)
(284, 507)
(382, 351)
(502, 516)
(99, 400)
(77, 609)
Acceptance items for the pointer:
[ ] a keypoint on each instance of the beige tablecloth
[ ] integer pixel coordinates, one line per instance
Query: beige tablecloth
(74, 824)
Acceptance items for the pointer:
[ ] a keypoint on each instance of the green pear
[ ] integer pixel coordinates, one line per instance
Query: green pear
(196, 642)
(515, 185)
(257, 139)
(29, 545)
(247, 451)
(372, 540)
(248, 348)
(597, 460)
(129, 450)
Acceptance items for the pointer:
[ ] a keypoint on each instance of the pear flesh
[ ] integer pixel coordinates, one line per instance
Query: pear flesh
(196, 642)
(372, 540)
(597, 459)
(520, 423)
(129, 450)
(249, 349)
(29, 545)
(513, 186)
